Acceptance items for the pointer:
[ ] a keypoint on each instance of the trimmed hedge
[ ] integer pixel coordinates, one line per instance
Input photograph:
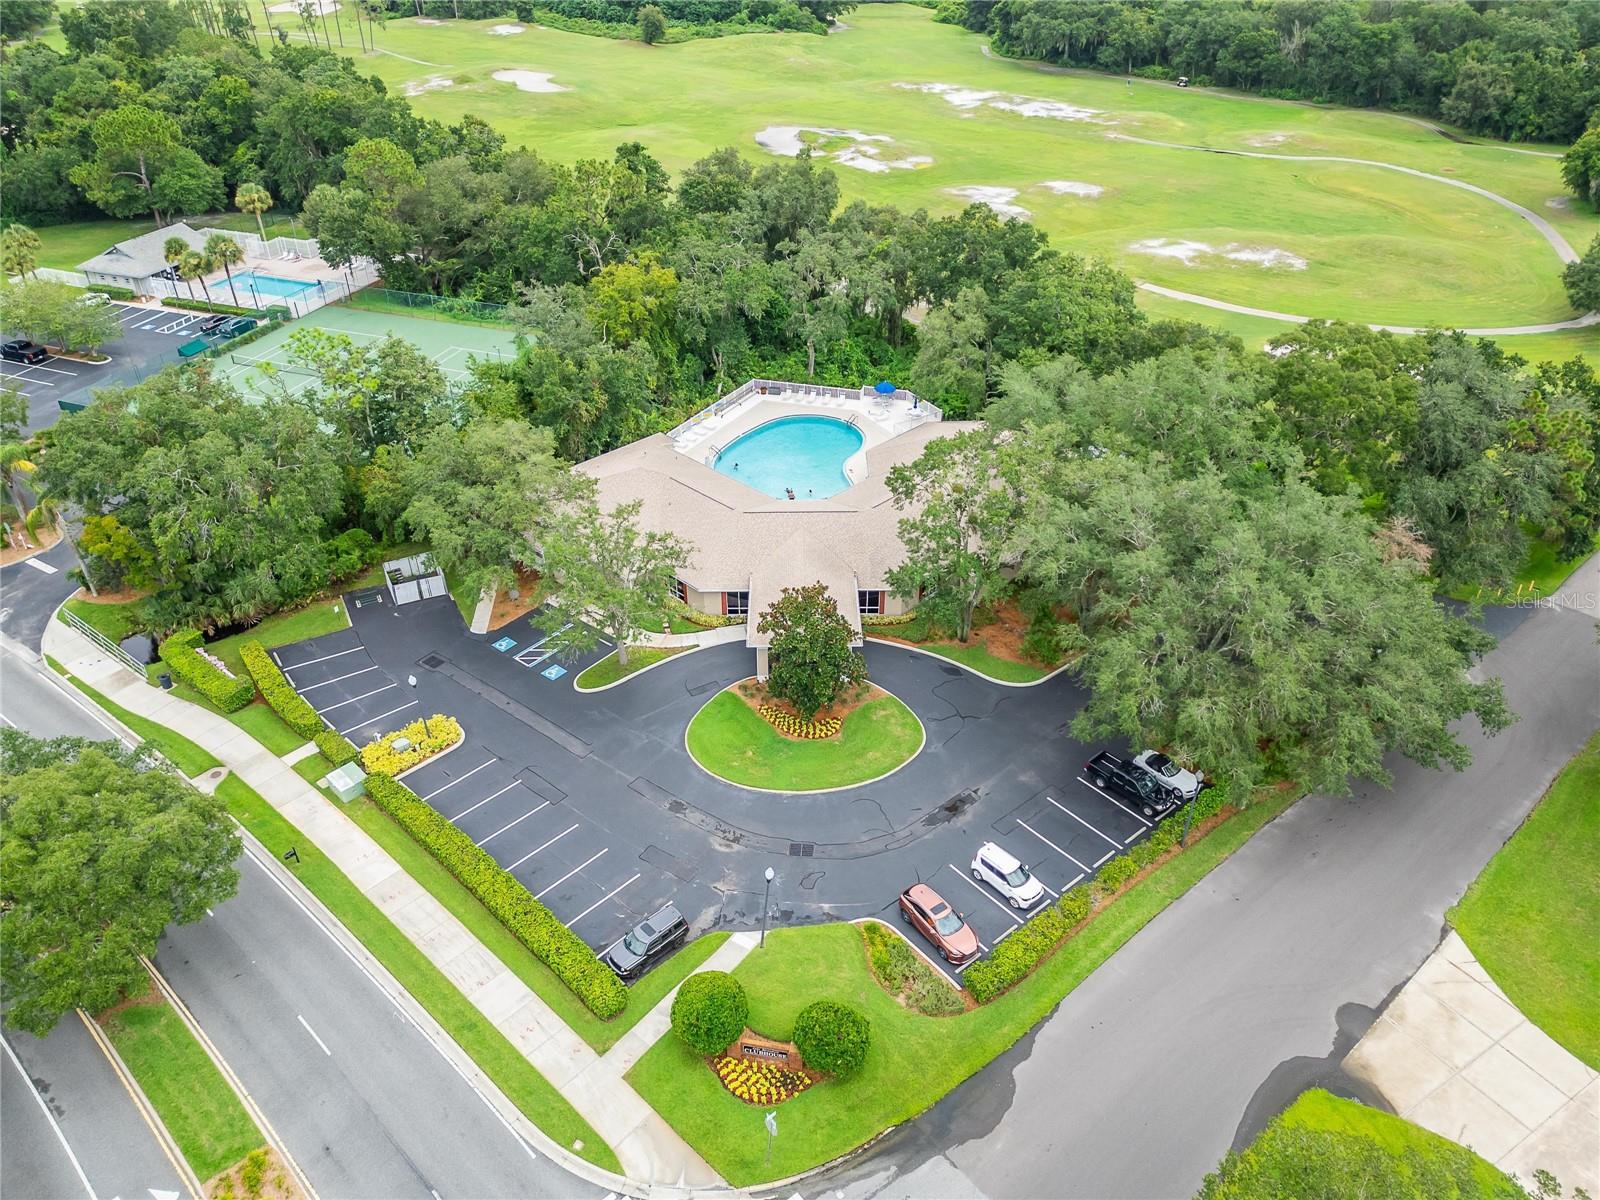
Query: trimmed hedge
(110, 291)
(336, 748)
(832, 1037)
(208, 306)
(530, 922)
(710, 1011)
(1015, 958)
(427, 737)
(181, 652)
(704, 620)
(276, 690)
(880, 621)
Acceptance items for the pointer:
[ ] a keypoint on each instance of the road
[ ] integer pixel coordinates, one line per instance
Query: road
(1255, 984)
(364, 1100)
(29, 593)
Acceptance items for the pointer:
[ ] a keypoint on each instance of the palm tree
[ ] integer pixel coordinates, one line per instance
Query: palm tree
(223, 251)
(173, 250)
(192, 266)
(14, 466)
(254, 199)
(19, 251)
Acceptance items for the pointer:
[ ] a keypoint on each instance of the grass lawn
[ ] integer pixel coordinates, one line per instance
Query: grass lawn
(466, 597)
(313, 768)
(731, 740)
(267, 727)
(114, 621)
(913, 1060)
(974, 654)
(530, 1091)
(1543, 573)
(609, 669)
(601, 1035)
(1321, 1110)
(189, 758)
(294, 625)
(1532, 917)
(211, 1127)
(65, 246)
(1377, 245)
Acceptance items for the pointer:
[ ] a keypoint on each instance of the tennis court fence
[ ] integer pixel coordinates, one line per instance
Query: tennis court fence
(455, 308)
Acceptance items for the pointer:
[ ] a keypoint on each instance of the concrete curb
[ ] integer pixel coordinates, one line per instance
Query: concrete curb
(632, 675)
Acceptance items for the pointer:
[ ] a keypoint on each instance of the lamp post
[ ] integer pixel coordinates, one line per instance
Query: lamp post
(426, 732)
(766, 907)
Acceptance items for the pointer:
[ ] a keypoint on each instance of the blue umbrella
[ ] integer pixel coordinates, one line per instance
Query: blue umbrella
(885, 388)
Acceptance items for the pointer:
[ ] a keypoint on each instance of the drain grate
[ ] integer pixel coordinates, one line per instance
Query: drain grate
(433, 662)
(802, 849)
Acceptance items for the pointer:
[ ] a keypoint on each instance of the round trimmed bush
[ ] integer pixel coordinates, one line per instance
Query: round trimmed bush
(710, 1011)
(832, 1037)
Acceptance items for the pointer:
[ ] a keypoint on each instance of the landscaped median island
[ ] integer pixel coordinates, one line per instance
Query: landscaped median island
(913, 1059)
(999, 646)
(731, 738)
(611, 668)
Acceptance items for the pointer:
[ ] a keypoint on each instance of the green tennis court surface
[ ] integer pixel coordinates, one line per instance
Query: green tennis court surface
(264, 366)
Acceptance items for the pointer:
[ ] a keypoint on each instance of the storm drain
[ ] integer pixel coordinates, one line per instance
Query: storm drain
(433, 662)
(802, 849)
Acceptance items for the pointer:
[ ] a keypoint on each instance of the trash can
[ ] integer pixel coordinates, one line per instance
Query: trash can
(166, 682)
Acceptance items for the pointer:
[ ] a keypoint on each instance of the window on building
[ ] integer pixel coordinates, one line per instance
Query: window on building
(736, 604)
(870, 602)
(680, 589)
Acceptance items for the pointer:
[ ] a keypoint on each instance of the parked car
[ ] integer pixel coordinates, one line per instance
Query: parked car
(23, 351)
(1120, 778)
(1002, 871)
(1169, 773)
(926, 910)
(647, 943)
(93, 300)
(214, 323)
(234, 326)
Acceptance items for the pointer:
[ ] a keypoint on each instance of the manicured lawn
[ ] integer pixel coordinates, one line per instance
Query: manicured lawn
(1321, 1110)
(114, 621)
(65, 246)
(280, 629)
(313, 768)
(267, 727)
(1543, 573)
(913, 1060)
(609, 669)
(731, 740)
(1533, 917)
(601, 1035)
(466, 597)
(189, 758)
(530, 1091)
(973, 654)
(211, 1127)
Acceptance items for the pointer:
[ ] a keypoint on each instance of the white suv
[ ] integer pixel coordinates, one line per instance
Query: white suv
(1168, 773)
(1006, 875)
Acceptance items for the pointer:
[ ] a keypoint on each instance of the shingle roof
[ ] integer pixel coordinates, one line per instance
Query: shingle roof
(142, 255)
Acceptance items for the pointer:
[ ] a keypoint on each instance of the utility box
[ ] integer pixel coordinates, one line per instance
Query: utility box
(348, 781)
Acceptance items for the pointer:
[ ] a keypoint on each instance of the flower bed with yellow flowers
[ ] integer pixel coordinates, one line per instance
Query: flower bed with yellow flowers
(787, 723)
(427, 738)
(760, 1083)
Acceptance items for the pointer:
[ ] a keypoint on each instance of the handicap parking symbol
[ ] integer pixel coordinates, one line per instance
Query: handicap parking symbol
(504, 644)
(553, 671)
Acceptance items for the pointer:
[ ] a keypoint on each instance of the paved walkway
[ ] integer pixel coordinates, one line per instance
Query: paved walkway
(1454, 1055)
(653, 1157)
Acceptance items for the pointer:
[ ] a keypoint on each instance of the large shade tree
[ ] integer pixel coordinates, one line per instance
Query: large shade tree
(810, 662)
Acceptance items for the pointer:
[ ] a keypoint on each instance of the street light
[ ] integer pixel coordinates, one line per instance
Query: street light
(765, 906)
(426, 732)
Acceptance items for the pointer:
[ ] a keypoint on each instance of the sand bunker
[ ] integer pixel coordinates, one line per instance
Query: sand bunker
(1558, 202)
(428, 21)
(506, 30)
(1071, 187)
(1192, 253)
(530, 81)
(865, 153)
(1027, 106)
(431, 84)
(998, 198)
(1268, 140)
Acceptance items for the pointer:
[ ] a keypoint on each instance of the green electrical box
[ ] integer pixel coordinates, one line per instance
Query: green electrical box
(348, 781)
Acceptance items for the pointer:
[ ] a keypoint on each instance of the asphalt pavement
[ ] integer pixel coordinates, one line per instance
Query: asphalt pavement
(31, 591)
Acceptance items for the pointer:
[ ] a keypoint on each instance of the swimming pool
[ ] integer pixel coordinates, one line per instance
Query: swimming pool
(802, 454)
(252, 285)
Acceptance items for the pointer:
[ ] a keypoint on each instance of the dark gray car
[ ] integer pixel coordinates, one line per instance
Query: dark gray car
(647, 943)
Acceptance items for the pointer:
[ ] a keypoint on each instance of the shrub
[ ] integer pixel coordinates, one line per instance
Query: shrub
(833, 1037)
(530, 922)
(349, 553)
(903, 973)
(182, 653)
(710, 1011)
(110, 291)
(427, 738)
(786, 722)
(704, 620)
(276, 690)
(882, 621)
(336, 748)
(207, 306)
(1117, 872)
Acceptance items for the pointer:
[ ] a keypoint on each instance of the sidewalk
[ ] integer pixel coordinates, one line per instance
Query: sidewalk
(653, 1157)
(1454, 1055)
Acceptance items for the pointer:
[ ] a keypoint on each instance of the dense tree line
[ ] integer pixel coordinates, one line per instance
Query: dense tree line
(1522, 71)
(625, 18)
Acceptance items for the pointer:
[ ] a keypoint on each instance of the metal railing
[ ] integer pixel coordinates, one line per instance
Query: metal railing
(103, 643)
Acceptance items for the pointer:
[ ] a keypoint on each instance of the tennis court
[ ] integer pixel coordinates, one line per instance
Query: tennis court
(264, 366)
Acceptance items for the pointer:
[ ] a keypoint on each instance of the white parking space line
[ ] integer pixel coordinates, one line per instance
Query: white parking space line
(1050, 889)
(54, 370)
(1119, 804)
(459, 778)
(1082, 822)
(379, 717)
(1131, 836)
(518, 821)
(567, 876)
(1075, 881)
(551, 842)
(486, 800)
(598, 903)
(313, 1033)
(1052, 845)
(386, 687)
(1103, 857)
(311, 687)
(324, 658)
(26, 378)
(37, 565)
(984, 892)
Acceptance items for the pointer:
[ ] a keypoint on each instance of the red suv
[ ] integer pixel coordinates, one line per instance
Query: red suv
(942, 925)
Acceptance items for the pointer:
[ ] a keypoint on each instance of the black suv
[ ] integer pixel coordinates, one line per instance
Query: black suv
(1132, 783)
(647, 943)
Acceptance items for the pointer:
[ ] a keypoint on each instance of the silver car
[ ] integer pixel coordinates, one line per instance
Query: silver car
(1001, 871)
(1169, 773)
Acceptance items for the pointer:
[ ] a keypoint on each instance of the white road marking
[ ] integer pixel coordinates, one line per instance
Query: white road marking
(1119, 804)
(386, 687)
(307, 1026)
(1052, 845)
(1131, 836)
(598, 903)
(40, 566)
(1076, 880)
(311, 687)
(567, 876)
(979, 888)
(486, 800)
(380, 716)
(50, 1117)
(459, 778)
(1082, 822)
(531, 853)
(1103, 857)
(324, 658)
(518, 821)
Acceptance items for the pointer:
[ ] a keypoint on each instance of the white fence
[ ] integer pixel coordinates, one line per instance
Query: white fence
(278, 247)
(793, 391)
(319, 291)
